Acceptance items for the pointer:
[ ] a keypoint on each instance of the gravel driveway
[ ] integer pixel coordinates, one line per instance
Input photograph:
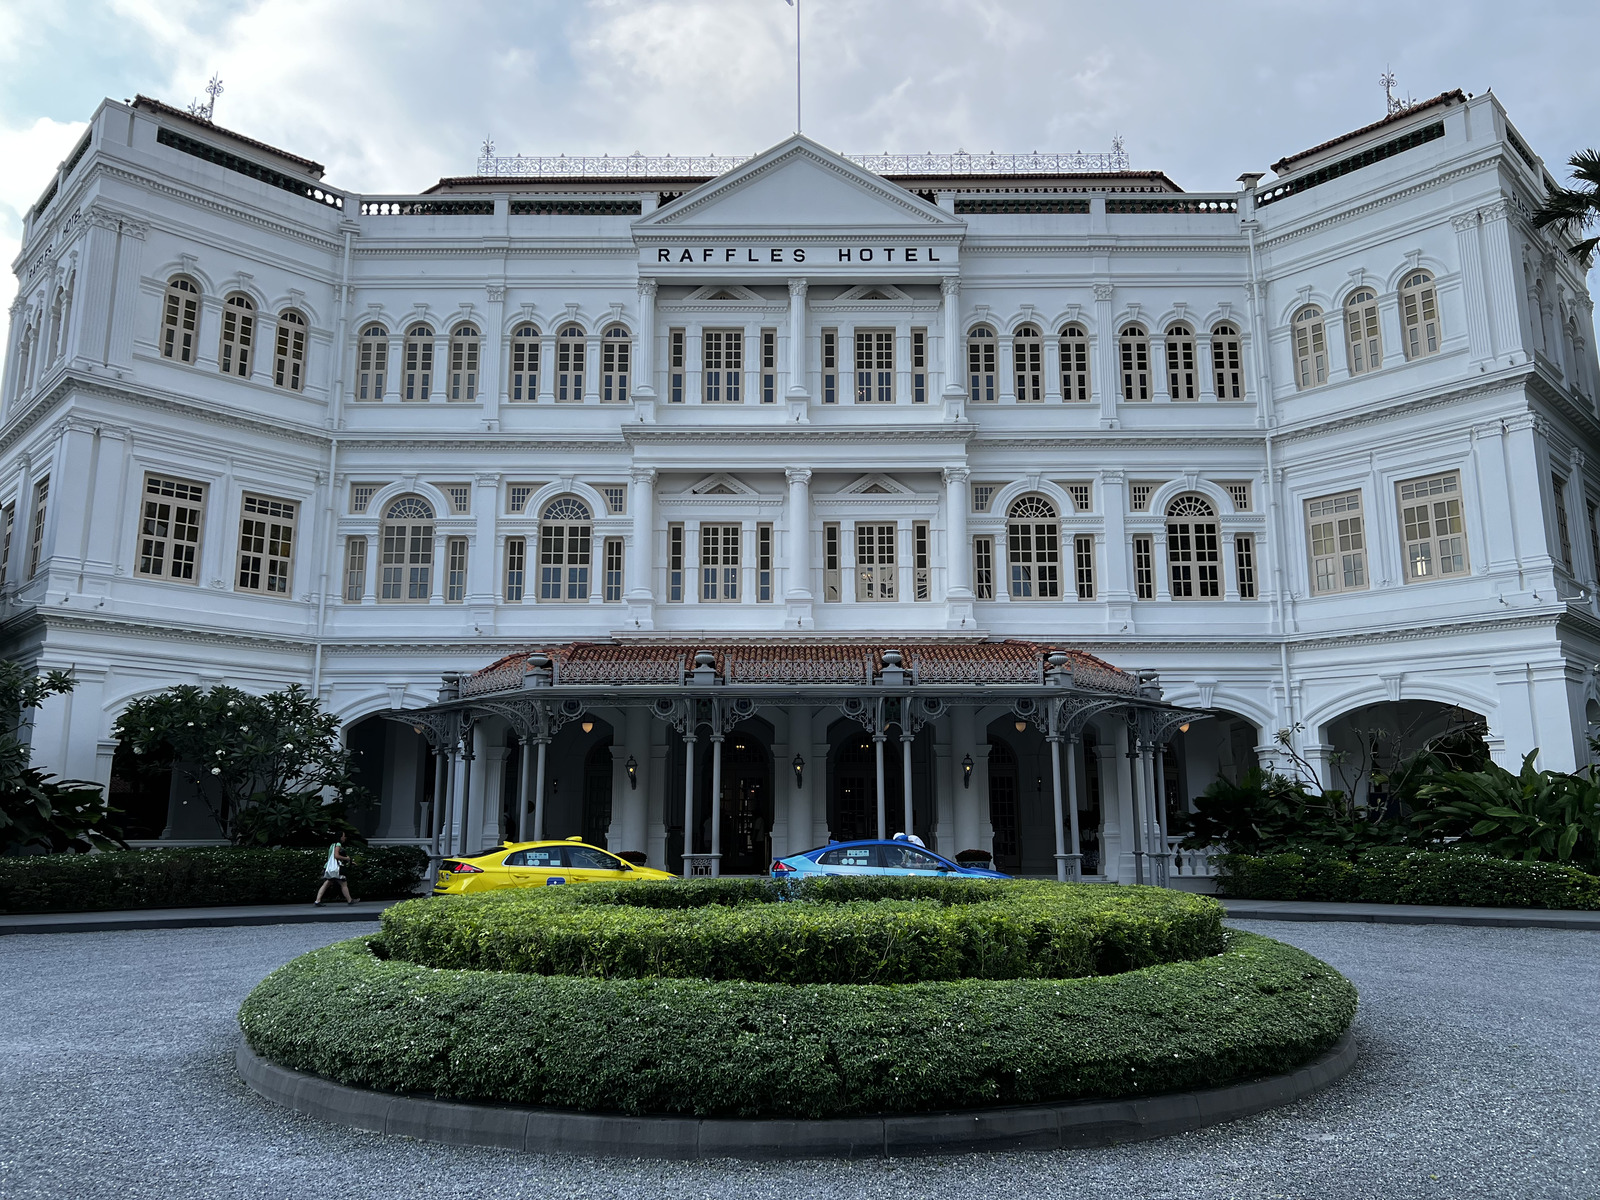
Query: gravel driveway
(1479, 1075)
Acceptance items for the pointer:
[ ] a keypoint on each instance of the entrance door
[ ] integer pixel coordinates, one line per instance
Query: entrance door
(746, 805)
(853, 804)
(1003, 799)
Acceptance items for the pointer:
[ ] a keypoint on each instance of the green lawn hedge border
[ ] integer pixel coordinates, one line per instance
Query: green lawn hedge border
(835, 930)
(1399, 876)
(722, 1048)
(197, 877)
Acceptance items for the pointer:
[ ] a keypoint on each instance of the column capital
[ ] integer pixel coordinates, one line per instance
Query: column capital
(642, 474)
(1104, 292)
(950, 286)
(798, 287)
(797, 474)
(647, 287)
(957, 474)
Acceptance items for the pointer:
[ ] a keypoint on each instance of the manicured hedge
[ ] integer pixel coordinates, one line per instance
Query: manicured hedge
(1409, 877)
(715, 1048)
(839, 930)
(184, 878)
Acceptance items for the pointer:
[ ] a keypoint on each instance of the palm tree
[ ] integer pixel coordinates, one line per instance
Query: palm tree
(1572, 210)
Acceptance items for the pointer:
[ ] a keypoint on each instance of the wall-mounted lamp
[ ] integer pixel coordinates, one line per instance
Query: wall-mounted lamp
(1022, 727)
(632, 768)
(588, 726)
(966, 770)
(799, 765)
(1184, 728)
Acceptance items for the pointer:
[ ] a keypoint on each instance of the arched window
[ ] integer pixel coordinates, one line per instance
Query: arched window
(1181, 383)
(569, 365)
(1310, 348)
(614, 365)
(238, 336)
(1027, 349)
(1033, 549)
(1135, 346)
(980, 365)
(419, 363)
(1074, 364)
(180, 318)
(1419, 315)
(1361, 334)
(464, 363)
(1226, 362)
(1194, 556)
(407, 549)
(565, 535)
(373, 363)
(289, 360)
(525, 363)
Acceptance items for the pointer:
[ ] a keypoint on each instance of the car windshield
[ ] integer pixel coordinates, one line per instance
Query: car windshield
(589, 857)
(909, 858)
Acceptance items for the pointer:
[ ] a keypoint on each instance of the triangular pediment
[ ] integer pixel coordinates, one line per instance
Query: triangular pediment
(881, 292)
(725, 292)
(876, 485)
(799, 183)
(721, 485)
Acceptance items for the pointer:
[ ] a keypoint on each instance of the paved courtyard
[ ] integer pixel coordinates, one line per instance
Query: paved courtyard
(1479, 1076)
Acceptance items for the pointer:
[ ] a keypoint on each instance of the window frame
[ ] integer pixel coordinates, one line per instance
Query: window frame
(522, 383)
(289, 351)
(1194, 550)
(372, 363)
(1438, 552)
(921, 562)
(455, 570)
(1033, 550)
(983, 567)
(417, 365)
(677, 340)
(1075, 376)
(192, 501)
(236, 339)
(832, 563)
(1363, 332)
(572, 349)
(676, 566)
(1227, 361)
(271, 547)
(1133, 356)
(612, 568)
(1421, 331)
(766, 591)
(877, 570)
(983, 357)
(1027, 362)
(1183, 376)
(1336, 543)
(465, 352)
(919, 366)
(616, 364)
(180, 320)
(1245, 577)
(722, 366)
(830, 366)
(1309, 341)
(769, 366)
(1144, 567)
(355, 568)
(566, 552)
(406, 544)
(1083, 564)
(514, 568)
(874, 365)
(721, 560)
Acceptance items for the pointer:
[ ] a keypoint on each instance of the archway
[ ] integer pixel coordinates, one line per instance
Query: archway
(1005, 816)
(853, 784)
(746, 804)
(1370, 742)
(596, 815)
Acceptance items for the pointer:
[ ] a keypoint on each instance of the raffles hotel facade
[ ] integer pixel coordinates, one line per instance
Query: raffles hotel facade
(807, 496)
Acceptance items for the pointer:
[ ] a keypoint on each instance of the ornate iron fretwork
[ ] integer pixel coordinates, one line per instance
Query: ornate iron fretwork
(666, 166)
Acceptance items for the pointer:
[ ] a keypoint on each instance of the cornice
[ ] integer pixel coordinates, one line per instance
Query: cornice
(478, 440)
(1147, 244)
(325, 242)
(1374, 414)
(433, 249)
(1101, 439)
(789, 434)
(1301, 230)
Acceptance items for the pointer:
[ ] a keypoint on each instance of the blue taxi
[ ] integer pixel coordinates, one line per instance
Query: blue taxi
(897, 856)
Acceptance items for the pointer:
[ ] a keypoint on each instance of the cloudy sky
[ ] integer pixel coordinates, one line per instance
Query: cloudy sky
(392, 94)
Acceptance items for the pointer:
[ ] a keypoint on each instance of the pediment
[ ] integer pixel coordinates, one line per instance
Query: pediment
(876, 485)
(799, 183)
(725, 292)
(869, 293)
(721, 484)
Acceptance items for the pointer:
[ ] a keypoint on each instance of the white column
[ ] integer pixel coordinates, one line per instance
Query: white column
(1474, 294)
(716, 802)
(1106, 375)
(525, 789)
(955, 388)
(688, 796)
(547, 368)
(905, 767)
(878, 739)
(797, 339)
(1075, 846)
(543, 746)
(641, 550)
(1062, 858)
(591, 368)
(798, 597)
(1007, 369)
(644, 343)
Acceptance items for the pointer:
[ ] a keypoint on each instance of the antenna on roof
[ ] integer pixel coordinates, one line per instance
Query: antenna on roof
(207, 110)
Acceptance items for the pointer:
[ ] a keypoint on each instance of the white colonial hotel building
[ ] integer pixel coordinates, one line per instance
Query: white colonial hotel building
(806, 495)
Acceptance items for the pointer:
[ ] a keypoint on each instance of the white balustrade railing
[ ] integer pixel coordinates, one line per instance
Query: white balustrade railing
(1196, 864)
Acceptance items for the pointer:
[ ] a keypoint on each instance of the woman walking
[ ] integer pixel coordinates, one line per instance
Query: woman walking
(333, 872)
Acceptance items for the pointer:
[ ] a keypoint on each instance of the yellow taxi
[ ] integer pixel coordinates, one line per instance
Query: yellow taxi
(536, 864)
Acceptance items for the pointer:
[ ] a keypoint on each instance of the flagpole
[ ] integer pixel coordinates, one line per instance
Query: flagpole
(797, 125)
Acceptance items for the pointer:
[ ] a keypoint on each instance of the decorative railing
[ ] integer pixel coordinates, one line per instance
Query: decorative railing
(1103, 679)
(667, 166)
(229, 161)
(1366, 158)
(427, 208)
(576, 208)
(1192, 864)
(1021, 204)
(1172, 204)
(500, 679)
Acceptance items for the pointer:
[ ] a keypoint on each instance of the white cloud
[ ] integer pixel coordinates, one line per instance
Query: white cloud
(31, 155)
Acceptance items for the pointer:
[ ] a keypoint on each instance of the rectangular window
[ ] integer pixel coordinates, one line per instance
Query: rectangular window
(169, 535)
(830, 561)
(1239, 493)
(719, 563)
(8, 521)
(921, 562)
(830, 366)
(675, 563)
(769, 366)
(41, 499)
(1338, 541)
(983, 568)
(463, 368)
(407, 561)
(1432, 532)
(355, 569)
(564, 549)
(1075, 367)
(419, 366)
(455, 570)
(459, 495)
(1083, 564)
(919, 366)
(517, 496)
(516, 569)
(722, 354)
(1139, 496)
(266, 545)
(616, 497)
(675, 355)
(1563, 530)
(874, 366)
(1244, 565)
(1082, 496)
(982, 494)
(1144, 568)
(875, 561)
(524, 367)
(361, 496)
(612, 583)
(763, 564)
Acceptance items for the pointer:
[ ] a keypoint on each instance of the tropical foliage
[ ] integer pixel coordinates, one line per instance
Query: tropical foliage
(1571, 211)
(271, 769)
(39, 813)
(1533, 815)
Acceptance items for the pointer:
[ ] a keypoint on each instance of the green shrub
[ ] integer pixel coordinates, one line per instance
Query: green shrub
(184, 878)
(715, 1048)
(838, 930)
(1399, 876)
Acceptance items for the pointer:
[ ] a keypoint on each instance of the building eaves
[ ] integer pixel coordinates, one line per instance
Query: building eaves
(1446, 99)
(315, 169)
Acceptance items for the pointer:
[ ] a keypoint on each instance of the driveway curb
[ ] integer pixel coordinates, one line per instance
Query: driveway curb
(191, 918)
(1410, 914)
(1037, 1127)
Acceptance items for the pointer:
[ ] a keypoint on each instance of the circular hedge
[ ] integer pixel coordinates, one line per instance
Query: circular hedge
(1209, 1011)
(832, 930)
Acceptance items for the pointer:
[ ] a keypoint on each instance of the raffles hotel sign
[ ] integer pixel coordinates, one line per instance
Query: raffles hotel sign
(886, 255)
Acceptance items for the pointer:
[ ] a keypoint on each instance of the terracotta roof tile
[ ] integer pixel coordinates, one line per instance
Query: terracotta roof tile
(315, 169)
(1457, 96)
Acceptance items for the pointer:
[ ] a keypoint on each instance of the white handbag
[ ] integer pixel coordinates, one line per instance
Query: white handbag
(330, 869)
